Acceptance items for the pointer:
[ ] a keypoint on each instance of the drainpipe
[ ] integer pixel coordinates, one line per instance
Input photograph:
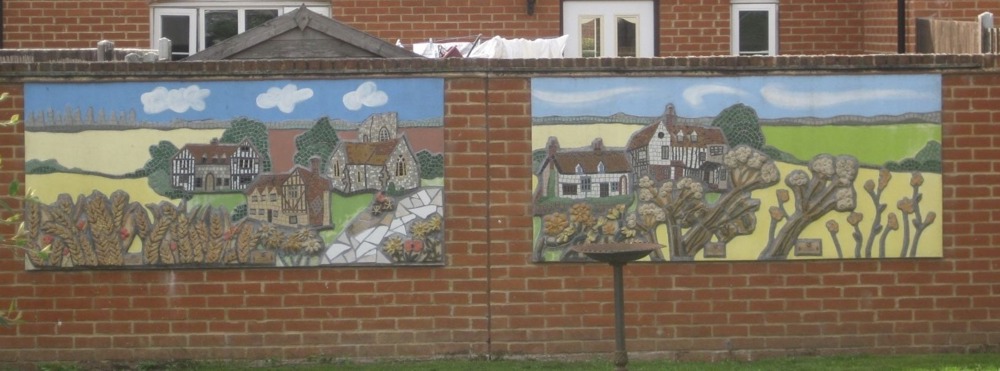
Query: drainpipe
(1, 24)
(901, 26)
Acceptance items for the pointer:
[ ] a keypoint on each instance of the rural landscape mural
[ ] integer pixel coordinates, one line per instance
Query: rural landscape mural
(739, 168)
(234, 173)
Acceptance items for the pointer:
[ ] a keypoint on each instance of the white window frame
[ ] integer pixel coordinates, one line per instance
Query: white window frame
(197, 9)
(771, 7)
(157, 33)
(608, 10)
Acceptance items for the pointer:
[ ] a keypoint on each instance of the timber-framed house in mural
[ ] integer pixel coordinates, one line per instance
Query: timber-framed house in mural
(379, 161)
(666, 150)
(300, 197)
(583, 173)
(215, 167)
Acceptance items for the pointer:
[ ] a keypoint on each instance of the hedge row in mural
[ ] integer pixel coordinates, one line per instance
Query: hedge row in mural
(250, 173)
(739, 168)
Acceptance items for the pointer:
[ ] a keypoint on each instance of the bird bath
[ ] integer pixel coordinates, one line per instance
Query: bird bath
(618, 254)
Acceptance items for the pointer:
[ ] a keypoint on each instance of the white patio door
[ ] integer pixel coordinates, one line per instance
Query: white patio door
(608, 28)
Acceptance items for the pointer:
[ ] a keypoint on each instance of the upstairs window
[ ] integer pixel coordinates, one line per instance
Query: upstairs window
(193, 26)
(755, 27)
(609, 28)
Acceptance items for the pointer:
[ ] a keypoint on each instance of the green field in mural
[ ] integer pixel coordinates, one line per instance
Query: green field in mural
(750, 168)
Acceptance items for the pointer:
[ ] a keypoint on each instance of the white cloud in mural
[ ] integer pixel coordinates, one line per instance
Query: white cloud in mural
(284, 98)
(779, 96)
(581, 97)
(366, 95)
(695, 95)
(177, 100)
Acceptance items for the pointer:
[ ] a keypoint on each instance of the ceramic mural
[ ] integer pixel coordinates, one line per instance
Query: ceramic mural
(234, 173)
(739, 168)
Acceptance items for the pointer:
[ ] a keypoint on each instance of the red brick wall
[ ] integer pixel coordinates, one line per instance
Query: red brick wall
(880, 19)
(75, 24)
(806, 26)
(490, 297)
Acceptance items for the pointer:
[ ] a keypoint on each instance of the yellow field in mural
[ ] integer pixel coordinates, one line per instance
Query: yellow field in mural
(234, 173)
(750, 168)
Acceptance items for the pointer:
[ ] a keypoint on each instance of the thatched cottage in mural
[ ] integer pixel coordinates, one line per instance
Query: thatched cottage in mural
(215, 167)
(300, 197)
(583, 173)
(379, 160)
(665, 150)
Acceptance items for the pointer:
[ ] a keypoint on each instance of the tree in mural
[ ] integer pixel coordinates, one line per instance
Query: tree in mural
(157, 169)
(741, 126)
(909, 207)
(431, 165)
(692, 222)
(257, 132)
(320, 141)
(829, 186)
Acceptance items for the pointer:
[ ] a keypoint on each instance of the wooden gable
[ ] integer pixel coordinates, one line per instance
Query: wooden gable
(299, 34)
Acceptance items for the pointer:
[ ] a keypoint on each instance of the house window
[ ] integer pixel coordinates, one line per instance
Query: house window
(336, 169)
(609, 28)
(195, 25)
(600, 167)
(254, 198)
(579, 169)
(293, 219)
(614, 186)
(585, 184)
(754, 27)
(665, 152)
(400, 166)
(197, 182)
(569, 189)
(694, 136)
(701, 156)
(715, 150)
(274, 196)
(383, 134)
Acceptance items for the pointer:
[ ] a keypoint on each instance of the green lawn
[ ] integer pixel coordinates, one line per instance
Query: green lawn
(927, 362)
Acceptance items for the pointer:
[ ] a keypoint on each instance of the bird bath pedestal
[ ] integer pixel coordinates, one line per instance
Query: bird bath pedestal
(618, 254)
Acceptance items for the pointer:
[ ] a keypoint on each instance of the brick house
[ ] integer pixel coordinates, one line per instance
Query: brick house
(296, 198)
(667, 150)
(215, 167)
(714, 27)
(583, 173)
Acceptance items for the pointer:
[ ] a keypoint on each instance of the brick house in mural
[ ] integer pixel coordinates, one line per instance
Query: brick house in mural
(665, 150)
(215, 167)
(583, 173)
(296, 198)
(377, 160)
(714, 27)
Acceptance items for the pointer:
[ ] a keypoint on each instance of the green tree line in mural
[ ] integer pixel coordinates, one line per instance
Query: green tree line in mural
(695, 219)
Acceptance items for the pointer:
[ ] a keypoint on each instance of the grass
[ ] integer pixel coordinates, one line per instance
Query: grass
(870, 144)
(927, 362)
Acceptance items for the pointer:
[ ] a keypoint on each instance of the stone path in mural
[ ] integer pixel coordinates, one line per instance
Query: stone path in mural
(359, 242)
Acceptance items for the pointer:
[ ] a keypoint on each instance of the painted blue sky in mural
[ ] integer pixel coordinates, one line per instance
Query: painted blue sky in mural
(268, 101)
(771, 96)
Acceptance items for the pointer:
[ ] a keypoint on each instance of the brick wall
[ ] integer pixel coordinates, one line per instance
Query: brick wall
(490, 298)
(701, 28)
(880, 19)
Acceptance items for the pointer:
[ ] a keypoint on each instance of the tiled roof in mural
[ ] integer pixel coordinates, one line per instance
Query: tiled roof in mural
(614, 161)
(375, 153)
(267, 182)
(212, 150)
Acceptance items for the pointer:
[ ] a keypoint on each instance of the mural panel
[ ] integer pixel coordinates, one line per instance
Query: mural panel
(739, 168)
(234, 173)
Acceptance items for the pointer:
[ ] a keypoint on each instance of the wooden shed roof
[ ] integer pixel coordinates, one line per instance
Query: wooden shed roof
(302, 33)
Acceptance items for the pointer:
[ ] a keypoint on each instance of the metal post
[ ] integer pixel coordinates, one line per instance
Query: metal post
(901, 26)
(621, 355)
